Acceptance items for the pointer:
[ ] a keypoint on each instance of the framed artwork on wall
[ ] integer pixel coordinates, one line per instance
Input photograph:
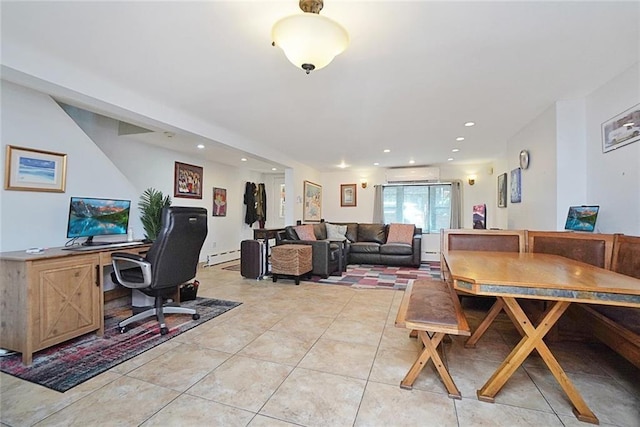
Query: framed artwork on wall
(219, 202)
(28, 169)
(188, 181)
(348, 195)
(502, 190)
(516, 189)
(312, 208)
(621, 130)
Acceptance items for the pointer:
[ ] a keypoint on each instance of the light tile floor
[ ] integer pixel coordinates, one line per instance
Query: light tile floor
(322, 355)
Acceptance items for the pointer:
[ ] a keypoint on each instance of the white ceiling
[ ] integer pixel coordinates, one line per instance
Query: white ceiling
(413, 74)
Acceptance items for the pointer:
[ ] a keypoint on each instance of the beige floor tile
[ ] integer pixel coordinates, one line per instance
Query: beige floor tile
(227, 337)
(398, 338)
(126, 401)
(368, 333)
(145, 357)
(471, 374)
(262, 421)
(610, 402)
(193, 411)
(304, 326)
(385, 405)
(473, 413)
(363, 312)
(242, 382)
(490, 347)
(341, 358)
(27, 403)
(312, 398)
(278, 347)
(180, 367)
(391, 365)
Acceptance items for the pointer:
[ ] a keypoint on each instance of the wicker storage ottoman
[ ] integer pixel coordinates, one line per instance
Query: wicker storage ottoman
(290, 260)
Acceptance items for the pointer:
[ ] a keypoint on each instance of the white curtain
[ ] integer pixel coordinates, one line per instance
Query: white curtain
(378, 206)
(456, 203)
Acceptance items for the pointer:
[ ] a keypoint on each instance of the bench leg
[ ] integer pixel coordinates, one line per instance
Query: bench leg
(430, 352)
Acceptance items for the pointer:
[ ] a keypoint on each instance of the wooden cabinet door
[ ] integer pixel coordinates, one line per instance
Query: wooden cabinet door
(67, 299)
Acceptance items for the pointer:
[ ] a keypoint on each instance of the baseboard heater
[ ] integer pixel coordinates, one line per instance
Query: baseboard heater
(219, 258)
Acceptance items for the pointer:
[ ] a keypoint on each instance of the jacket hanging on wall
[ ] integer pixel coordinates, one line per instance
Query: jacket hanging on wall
(251, 215)
(261, 205)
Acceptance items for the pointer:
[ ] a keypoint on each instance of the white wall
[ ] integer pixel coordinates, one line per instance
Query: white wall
(36, 219)
(613, 178)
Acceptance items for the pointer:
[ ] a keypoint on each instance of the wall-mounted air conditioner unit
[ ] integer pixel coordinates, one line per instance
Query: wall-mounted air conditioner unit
(413, 175)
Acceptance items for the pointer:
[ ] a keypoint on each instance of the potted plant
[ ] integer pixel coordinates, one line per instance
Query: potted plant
(151, 203)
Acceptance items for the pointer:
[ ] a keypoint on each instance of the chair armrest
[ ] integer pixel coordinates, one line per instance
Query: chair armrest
(122, 261)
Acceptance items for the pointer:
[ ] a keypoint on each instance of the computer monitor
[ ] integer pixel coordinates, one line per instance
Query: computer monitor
(582, 218)
(90, 217)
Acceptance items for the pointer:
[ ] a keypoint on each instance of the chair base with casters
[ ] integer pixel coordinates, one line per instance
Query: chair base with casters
(159, 310)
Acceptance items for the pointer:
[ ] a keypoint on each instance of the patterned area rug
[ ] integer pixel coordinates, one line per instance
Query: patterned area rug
(66, 365)
(381, 276)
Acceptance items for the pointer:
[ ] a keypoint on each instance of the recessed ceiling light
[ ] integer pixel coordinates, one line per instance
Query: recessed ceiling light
(274, 169)
(460, 138)
(243, 159)
(469, 124)
(411, 162)
(343, 165)
(455, 150)
(386, 150)
(376, 164)
(201, 146)
(449, 159)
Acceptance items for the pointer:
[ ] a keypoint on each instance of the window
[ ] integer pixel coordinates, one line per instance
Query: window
(427, 206)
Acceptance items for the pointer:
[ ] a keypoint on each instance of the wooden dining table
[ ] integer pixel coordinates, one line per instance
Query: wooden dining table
(510, 276)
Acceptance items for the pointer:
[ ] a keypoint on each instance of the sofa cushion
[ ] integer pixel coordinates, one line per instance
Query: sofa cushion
(371, 233)
(305, 232)
(401, 233)
(364, 247)
(396, 249)
(336, 232)
(290, 233)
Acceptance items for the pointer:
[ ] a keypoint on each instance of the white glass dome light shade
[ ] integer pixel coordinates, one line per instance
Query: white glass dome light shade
(309, 38)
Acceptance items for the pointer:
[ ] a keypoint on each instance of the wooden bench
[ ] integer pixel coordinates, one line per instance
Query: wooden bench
(432, 308)
(617, 327)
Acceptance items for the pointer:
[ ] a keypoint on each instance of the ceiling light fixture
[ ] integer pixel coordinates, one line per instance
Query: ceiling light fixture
(469, 124)
(460, 138)
(386, 151)
(450, 159)
(376, 164)
(455, 150)
(310, 41)
(274, 169)
(243, 159)
(411, 162)
(201, 146)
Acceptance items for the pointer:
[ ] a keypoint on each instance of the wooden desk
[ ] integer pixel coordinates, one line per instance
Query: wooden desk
(560, 280)
(53, 296)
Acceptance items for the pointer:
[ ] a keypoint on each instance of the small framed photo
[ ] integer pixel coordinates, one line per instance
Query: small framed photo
(219, 202)
(312, 210)
(27, 169)
(188, 181)
(516, 189)
(621, 130)
(502, 190)
(348, 196)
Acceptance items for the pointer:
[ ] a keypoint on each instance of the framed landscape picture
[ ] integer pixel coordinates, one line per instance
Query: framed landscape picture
(188, 181)
(312, 209)
(621, 130)
(27, 169)
(502, 190)
(348, 195)
(219, 202)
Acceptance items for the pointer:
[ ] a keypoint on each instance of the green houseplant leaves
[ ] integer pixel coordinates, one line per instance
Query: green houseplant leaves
(151, 203)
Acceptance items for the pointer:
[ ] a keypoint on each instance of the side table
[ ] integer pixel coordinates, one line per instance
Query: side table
(342, 259)
(291, 260)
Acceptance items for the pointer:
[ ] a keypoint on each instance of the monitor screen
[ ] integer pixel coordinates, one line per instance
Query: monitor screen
(582, 218)
(90, 217)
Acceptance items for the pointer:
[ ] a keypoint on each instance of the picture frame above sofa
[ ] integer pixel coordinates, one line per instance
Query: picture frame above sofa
(348, 195)
(312, 209)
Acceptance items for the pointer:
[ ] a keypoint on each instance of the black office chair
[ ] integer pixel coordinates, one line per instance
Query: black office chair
(171, 261)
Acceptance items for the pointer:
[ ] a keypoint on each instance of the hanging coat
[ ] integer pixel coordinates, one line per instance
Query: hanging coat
(261, 204)
(250, 200)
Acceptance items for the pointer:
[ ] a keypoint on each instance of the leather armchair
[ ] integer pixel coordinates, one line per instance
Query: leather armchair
(325, 255)
(171, 261)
